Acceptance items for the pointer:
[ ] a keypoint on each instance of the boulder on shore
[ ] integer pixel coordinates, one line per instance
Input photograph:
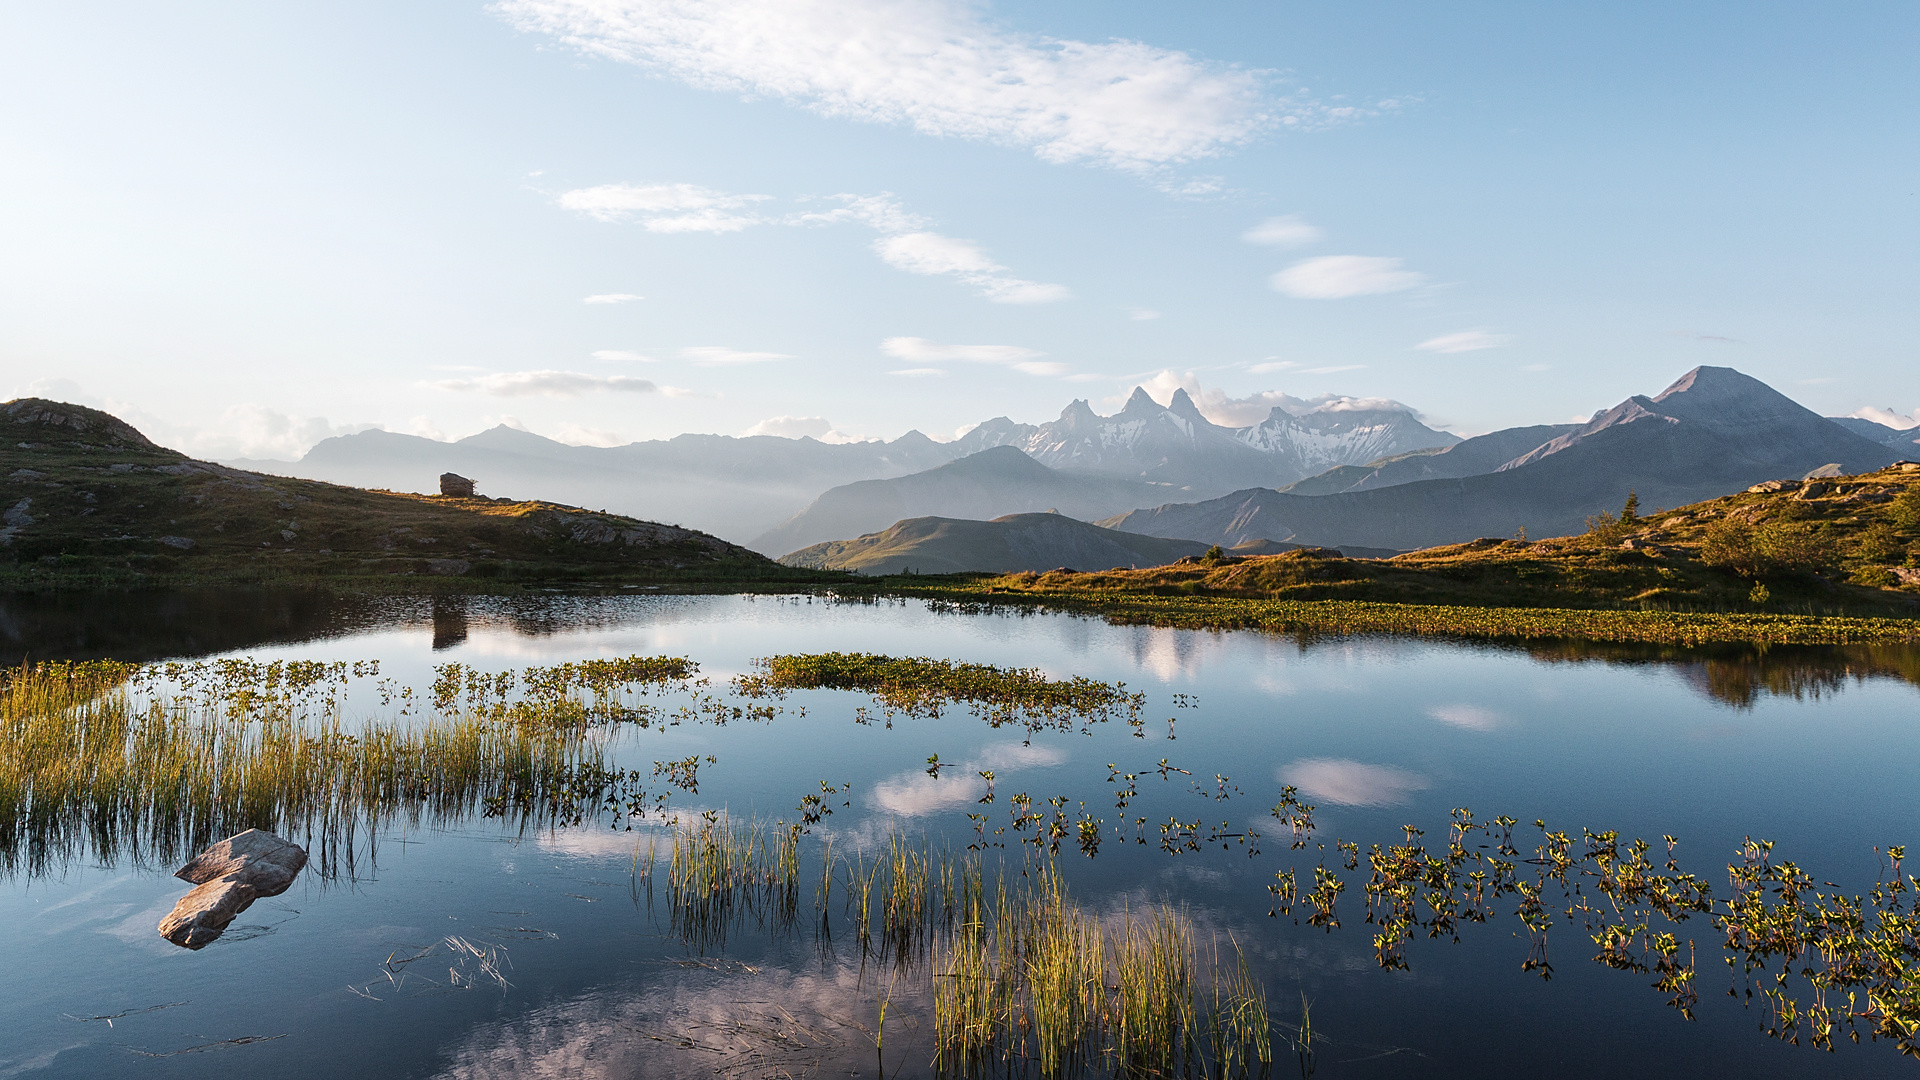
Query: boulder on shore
(230, 875)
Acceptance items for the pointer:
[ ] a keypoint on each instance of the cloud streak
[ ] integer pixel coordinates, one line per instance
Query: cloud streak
(1288, 231)
(1464, 341)
(939, 68)
(933, 254)
(665, 208)
(905, 244)
(920, 350)
(561, 384)
(1337, 277)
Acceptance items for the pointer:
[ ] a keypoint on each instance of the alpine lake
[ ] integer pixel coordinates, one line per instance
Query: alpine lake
(540, 845)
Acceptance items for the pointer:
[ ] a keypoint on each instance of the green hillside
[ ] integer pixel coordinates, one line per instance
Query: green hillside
(85, 499)
(1848, 544)
(937, 545)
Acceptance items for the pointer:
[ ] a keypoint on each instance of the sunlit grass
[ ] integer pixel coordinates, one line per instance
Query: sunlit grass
(152, 765)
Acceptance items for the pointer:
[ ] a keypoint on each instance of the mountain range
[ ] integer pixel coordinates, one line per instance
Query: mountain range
(1713, 432)
(748, 486)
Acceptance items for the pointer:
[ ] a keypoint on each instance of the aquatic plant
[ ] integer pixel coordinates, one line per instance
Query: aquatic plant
(924, 687)
(720, 870)
(154, 763)
(1037, 979)
(1819, 964)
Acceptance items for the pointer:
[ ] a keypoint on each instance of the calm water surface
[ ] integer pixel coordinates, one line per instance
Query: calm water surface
(1815, 750)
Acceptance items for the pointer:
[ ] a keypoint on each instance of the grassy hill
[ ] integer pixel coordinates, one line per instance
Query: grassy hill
(938, 545)
(1846, 544)
(85, 499)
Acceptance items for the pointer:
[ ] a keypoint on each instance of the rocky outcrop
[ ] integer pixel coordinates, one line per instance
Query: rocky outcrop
(230, 875)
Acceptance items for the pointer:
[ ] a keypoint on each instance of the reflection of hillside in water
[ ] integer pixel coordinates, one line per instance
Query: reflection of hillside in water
(1740, 675)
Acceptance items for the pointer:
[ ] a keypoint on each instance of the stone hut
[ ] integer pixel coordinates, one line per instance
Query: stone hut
(456, 485)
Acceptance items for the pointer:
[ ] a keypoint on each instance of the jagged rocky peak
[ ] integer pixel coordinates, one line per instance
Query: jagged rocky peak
(1183, 407)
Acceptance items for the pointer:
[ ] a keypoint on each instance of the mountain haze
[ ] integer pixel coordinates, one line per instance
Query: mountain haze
(735, 487)
(935, 545)
(990, 484)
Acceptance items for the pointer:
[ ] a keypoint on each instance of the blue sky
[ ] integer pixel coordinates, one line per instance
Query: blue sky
(247, 226)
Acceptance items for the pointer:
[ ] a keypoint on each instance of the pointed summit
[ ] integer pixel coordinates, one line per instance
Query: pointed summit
(1140, 403)
(1183, 407)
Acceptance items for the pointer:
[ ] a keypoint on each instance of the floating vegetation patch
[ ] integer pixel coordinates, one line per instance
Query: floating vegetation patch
(1819, 964)
(152, 764)
(924, 687)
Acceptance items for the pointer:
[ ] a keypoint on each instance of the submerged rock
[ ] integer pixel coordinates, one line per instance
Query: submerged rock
(231, 875)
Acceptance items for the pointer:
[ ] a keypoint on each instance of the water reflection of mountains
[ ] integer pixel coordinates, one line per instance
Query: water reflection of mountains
(139, 626)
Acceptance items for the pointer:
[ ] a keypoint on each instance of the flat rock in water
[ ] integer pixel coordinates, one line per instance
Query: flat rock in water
(231, 875)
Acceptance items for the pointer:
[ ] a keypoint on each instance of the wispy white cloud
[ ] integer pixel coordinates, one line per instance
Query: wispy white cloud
(1710, 339)
(913, 348)
(665, 208)
(791, 427)
(1018, 357)
(1337, 277)
(1464, 341)
(802, 427)
(1352, 783)
(1288, 231)
(623, 356)
(918, 372)
(611, 298)
(1143, 314)
(931, 253)
(548, 384)
(940, 67)
(905, 243)
(880, 212)
(719, 355)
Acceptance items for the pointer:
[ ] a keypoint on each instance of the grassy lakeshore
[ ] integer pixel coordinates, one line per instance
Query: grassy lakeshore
(1431, 620)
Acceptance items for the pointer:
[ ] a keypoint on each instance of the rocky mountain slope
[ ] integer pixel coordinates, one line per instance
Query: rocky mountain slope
(89, 499)
(1176, 444)
(935, 545)
(1713, 431)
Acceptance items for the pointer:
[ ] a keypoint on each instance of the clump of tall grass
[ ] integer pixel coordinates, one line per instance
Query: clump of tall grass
(1036, 980)
(111, 759)
(721, 870)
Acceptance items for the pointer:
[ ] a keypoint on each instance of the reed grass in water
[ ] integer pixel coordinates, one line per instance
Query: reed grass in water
(1035, 980)
(151, 765)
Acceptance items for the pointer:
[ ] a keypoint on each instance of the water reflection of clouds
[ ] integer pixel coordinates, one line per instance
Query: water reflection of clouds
(916, 794)
(1468, 717)
(702, 1018)
(1351, 783)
